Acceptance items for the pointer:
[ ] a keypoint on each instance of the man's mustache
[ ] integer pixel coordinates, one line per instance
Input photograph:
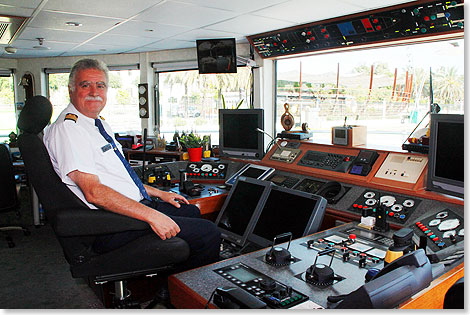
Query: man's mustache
(94, 98)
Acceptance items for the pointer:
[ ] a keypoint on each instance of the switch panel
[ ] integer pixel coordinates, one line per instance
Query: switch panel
(402, 167)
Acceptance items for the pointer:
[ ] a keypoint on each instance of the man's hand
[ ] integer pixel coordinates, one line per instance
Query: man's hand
(172, 198)
(163, 225)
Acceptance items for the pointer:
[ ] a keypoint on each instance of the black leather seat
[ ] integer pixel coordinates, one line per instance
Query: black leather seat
(76, 226)
(8, 194)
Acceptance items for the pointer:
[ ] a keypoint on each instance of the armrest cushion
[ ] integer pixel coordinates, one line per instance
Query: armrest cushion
(85, 222)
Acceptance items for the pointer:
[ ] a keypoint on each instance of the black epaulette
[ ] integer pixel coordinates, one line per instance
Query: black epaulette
(71, 116)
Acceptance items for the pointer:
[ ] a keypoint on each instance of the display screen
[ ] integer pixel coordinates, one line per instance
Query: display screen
(240, 130)
(252, 172)
(450, 151)
(340, 133)
(242, 274)
(240, 208)
(284, 212)
(216, 55)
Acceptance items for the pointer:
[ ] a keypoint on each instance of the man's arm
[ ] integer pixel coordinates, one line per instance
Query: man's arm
(167, 196)
(104, 197)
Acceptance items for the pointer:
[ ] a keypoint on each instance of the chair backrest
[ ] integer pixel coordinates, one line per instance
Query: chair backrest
(52, 192)
(8, 195)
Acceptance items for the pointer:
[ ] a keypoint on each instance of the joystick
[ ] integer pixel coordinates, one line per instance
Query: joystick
(279, 256)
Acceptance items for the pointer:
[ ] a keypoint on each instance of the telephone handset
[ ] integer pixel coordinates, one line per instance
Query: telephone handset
(363, 162)
(394, 284)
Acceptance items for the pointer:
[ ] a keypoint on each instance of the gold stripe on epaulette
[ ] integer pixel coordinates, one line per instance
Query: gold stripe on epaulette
(101, 117)
(71, 116)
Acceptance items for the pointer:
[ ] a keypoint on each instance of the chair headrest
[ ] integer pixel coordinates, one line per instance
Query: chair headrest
(35, 115)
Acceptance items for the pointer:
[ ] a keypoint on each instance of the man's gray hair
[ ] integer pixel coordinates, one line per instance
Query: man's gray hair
(83, 64)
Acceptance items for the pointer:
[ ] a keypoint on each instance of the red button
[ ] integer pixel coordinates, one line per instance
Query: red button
(352, 236)
(390, 214)
(312, 38)
(426, 18)
(435, 239)
(430, 233)
(375, 21)
(309, 33)
(360, 206)
(327, 36)
(323, 30)
(418, 223)
(284, 41)
(378, 27)
(355, 205)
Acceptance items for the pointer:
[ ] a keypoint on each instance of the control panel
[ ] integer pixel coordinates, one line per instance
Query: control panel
(309, 185)
(327, 161)
(402, 22)
(286, 155)
(402, 167)
(205, 170)
(272, 292)
(397, 208)
(443, 229)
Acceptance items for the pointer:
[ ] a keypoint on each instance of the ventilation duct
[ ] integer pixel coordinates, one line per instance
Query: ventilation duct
(10, 28)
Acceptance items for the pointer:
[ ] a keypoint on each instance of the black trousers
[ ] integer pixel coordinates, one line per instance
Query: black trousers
(202, 236)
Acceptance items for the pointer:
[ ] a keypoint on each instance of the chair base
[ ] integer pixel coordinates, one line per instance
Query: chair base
(5, 229)
(129, 293)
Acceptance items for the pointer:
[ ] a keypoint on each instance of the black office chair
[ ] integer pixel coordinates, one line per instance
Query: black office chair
(8, 194)
(76, 226)
(455, 296)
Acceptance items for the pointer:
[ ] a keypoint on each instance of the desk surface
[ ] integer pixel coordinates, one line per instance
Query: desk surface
(187, 290)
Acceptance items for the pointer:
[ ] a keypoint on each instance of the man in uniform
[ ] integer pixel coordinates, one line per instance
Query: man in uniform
(90, 162)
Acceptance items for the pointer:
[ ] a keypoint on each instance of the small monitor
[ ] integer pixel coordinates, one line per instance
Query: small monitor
(238, 135)
(446, 154)
(252, 171)
(287, 210)
(216, 55)
(235, 219)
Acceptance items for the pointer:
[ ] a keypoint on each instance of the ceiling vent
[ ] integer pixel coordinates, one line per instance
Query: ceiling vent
(10, 28)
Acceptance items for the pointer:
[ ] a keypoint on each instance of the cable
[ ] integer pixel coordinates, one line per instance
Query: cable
(210, 298)
(273, 139)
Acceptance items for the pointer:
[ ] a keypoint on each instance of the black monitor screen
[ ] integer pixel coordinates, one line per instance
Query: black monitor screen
(216, 55)
(450, 155)
(241, 130)
(285, 212)
(253, 172)
(240, 208)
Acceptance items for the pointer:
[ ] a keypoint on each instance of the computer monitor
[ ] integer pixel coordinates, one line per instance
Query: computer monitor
(287, 210)
(446, 154)
(235, 219)
(216, 55)
(238, 135)
(252, 171)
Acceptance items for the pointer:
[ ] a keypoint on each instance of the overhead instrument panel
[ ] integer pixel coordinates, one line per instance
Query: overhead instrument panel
(388, 24)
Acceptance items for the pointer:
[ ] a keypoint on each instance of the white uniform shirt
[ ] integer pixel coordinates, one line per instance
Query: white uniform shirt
(75, 143)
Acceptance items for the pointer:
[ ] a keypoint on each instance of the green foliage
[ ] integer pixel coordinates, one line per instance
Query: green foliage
(192, 140)
(114, 80)
(57, 80)
(123, 97)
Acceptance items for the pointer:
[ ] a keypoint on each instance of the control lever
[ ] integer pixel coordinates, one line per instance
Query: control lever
(321, 274)
(279, 256)
(381, 223)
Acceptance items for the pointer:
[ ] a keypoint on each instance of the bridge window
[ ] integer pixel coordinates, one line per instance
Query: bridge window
(386, 89)
(7, 107)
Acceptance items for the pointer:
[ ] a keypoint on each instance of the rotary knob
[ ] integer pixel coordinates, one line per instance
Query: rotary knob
(267, 285)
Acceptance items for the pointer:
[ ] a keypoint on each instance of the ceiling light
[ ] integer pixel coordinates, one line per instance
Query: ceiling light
(75, 24)
(41, 45)
(10, 50)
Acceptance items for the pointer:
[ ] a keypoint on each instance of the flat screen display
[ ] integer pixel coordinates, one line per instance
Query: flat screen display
(450, 156)
(287, 210)
(238, 210)
(242, 128)
(446, 154)
(216, 55)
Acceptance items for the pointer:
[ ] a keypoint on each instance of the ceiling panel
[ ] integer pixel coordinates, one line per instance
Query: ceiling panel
(249, 24)
(15, 11)
(239, 6)
(124, 41)
(32, 33)
(184, 14)
(54, 20)
(207, 34)
(109, 8)
(139, 28)
(32, 4)
(171, 44)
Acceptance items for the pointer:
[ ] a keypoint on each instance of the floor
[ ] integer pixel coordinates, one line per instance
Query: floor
(34, 273)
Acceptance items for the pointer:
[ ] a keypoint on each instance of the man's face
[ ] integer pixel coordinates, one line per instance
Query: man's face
(89, 94)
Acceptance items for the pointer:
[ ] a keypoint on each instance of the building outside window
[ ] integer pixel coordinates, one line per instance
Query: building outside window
(324, 89)
(7, 107)
(189, 101)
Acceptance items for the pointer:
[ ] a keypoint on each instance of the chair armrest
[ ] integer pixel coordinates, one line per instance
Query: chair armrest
(83, 222)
